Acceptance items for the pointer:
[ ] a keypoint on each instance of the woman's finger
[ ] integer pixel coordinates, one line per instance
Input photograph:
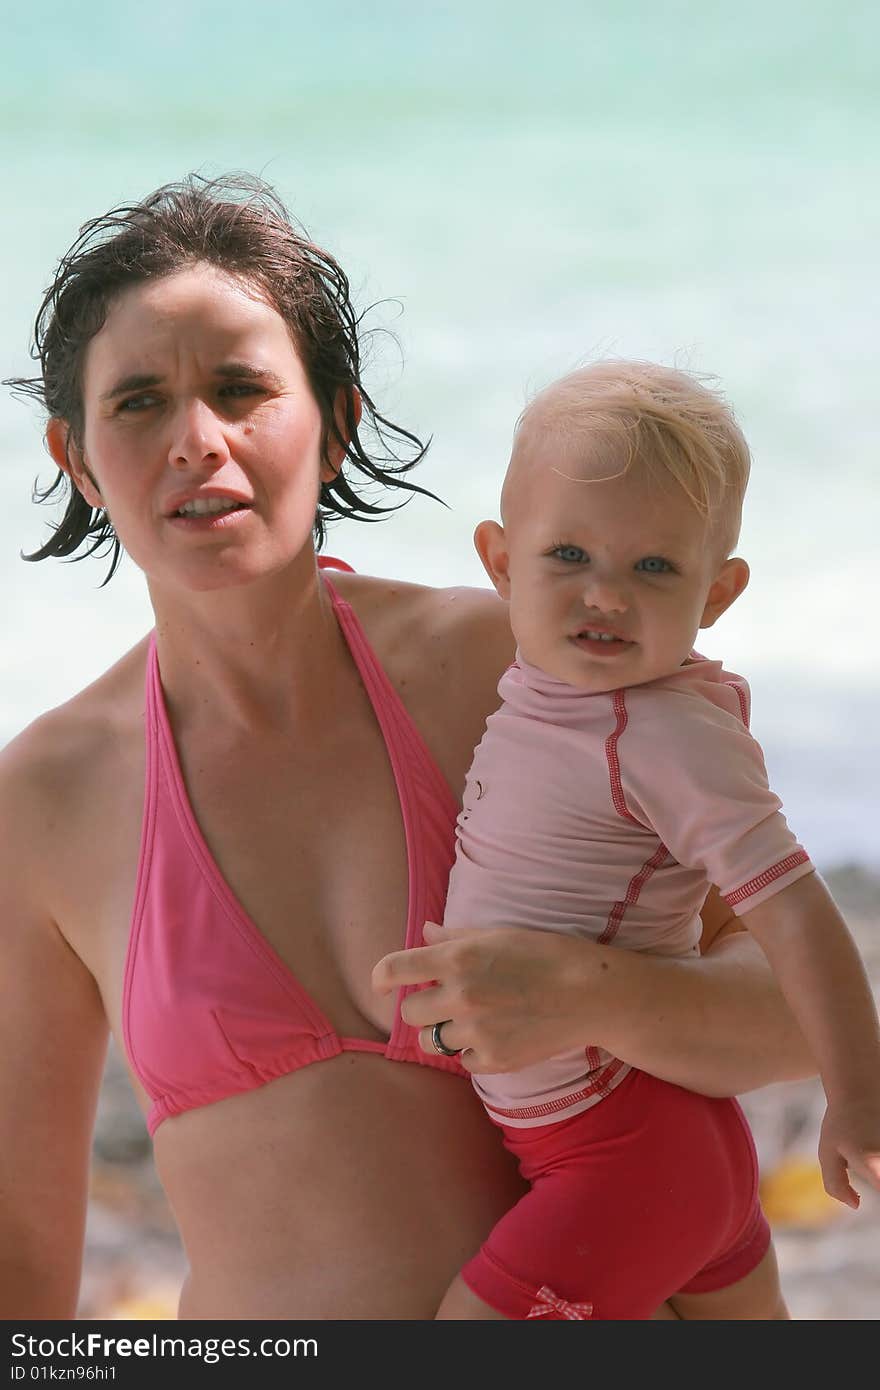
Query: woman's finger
(446, 1030)
(423, 1007)
(422, 964)
(417, 966)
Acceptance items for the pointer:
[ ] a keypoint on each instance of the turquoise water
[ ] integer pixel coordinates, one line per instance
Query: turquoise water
(522, 187)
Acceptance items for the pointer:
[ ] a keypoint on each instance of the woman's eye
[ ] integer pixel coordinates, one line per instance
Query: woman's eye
(132, 404)
(238, 390)
(571, 554)
(654, 564)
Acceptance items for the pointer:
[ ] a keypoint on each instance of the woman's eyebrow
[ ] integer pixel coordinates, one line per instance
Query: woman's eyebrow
(227, 371)
(247, 371)
(136, 381)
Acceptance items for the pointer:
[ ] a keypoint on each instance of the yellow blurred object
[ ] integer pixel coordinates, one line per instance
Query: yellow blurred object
(792, 1195)
(151, 1305)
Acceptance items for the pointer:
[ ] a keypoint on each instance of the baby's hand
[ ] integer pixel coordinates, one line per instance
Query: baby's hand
(850, 1143)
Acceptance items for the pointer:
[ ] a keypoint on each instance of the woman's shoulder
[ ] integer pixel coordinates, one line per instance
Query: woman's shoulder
(458, 623)
(459, 616)
(444, 650)
(50, 769)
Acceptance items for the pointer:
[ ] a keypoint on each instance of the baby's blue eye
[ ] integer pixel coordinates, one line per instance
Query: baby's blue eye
(571, 554)
(654, 564)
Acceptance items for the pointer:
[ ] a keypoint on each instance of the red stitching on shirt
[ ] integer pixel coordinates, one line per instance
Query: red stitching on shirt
(618, 704)
(600, 1087)
(618, 797)
(738, 895)
(634, 888)
(743, 698)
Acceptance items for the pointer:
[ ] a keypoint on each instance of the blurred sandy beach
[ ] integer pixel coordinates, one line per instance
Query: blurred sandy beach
(134, 1264)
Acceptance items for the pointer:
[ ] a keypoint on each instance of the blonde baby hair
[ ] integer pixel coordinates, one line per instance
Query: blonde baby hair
(660, 418)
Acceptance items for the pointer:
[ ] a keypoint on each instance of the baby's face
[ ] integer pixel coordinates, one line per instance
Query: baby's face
(608, 578)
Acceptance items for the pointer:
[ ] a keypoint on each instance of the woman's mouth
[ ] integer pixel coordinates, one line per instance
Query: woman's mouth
(208, 514)
(208, 506)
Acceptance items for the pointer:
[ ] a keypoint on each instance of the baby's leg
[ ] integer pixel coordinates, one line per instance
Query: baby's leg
(651, 1191)
(756, 1298)
(463, 1305)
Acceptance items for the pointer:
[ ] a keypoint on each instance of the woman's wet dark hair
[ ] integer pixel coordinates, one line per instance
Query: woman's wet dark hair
(238, 224)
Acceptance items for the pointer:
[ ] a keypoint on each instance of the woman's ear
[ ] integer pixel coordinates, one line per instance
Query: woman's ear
(491, 545)
(727, 586)
(70, 459)
(340, 435)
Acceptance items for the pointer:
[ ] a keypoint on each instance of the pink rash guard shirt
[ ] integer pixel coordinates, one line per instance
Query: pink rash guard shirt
(609, 816)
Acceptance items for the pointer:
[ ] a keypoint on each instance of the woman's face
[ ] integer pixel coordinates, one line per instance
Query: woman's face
(202, 436)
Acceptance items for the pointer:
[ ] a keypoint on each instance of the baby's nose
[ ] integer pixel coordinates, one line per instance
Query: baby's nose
(604, 596)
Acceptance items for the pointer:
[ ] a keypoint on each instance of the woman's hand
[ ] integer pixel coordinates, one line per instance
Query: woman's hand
(715, 1023)
(508, 997)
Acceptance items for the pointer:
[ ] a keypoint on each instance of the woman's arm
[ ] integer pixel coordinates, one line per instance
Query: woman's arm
(716, 1023)
(53, 1038)
(750, 1037)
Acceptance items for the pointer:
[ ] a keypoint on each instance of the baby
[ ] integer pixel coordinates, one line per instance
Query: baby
(617, 781)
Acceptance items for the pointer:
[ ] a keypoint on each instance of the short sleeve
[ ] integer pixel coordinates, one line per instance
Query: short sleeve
(693, 773)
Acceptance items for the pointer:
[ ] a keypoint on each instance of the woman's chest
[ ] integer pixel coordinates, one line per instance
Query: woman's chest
(309, 838)
(301, 838)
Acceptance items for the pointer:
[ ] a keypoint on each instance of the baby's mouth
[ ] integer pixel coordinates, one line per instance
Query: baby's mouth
(602, 641)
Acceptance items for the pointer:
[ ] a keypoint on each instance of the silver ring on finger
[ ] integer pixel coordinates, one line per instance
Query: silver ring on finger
(439, 1045)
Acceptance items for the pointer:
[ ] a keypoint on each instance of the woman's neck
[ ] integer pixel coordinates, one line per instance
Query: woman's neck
(260, 655)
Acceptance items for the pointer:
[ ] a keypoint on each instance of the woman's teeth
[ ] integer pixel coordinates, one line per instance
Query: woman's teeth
(207, 506)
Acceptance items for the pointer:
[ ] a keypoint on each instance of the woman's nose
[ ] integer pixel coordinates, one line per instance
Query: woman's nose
(198, 439)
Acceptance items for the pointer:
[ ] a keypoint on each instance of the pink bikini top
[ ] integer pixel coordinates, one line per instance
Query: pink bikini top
(209, 1008)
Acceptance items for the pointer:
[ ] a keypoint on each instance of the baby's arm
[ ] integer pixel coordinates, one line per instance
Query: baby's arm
(821, 974)
(693, 772)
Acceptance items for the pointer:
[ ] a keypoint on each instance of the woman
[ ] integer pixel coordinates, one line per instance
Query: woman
(211, 863)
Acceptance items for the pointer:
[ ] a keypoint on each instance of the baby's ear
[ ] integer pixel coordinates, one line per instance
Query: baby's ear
(726, 588)
(59, 442)
(491, 545)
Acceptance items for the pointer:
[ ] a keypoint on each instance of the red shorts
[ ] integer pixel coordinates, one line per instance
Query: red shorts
(652, 1192)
